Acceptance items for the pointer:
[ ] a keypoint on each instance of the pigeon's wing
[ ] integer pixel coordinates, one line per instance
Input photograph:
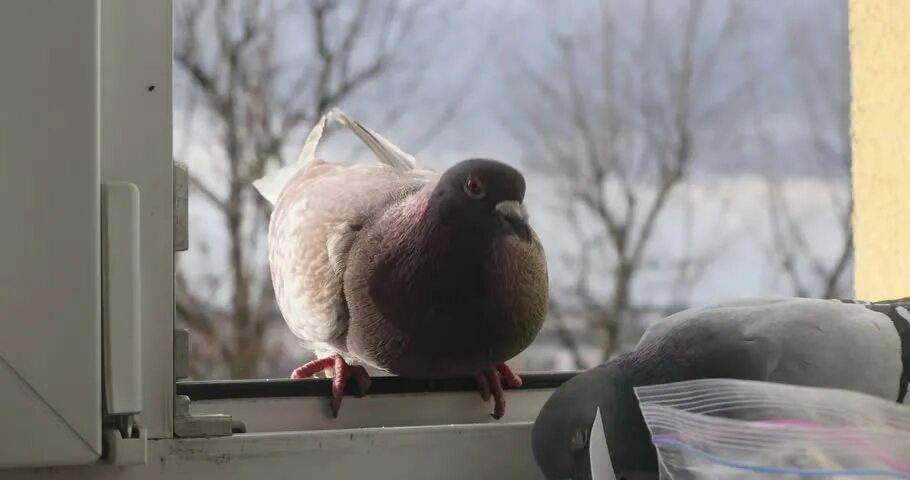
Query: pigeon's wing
(319, 208)
(311, 231)
(801, 341)
(834, 345)
(732, 309)
(272, 185)
(708, 346)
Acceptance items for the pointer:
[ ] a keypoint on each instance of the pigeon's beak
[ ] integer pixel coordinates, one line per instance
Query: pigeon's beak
(513, 211)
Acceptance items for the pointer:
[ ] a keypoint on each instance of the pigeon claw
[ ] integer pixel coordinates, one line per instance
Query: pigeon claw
(510, 377)
(312, 368)
(362, 378)
(483, 386)
(490, 381)
(340, 372)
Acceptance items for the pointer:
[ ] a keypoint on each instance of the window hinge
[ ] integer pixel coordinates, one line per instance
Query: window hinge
(125, 442)
(181, 207)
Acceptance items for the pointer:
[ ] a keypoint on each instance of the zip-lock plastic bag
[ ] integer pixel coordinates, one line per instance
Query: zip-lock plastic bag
(735, 429)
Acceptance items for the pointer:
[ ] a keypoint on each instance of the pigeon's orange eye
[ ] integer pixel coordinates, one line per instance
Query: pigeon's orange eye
(474, 188)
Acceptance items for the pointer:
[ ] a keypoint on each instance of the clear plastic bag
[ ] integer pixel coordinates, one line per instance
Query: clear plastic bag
(735, 429)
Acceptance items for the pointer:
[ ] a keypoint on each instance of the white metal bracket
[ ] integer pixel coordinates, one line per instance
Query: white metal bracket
(187, 425)
(181, 354)
(181, 207)
(125, 447)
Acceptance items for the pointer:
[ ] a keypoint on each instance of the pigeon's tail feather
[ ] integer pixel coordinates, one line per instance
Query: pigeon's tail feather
(384, 150)
(271, 184)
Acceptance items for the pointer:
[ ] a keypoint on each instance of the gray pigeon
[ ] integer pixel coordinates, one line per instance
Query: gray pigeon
(816, 343)
(398, 267)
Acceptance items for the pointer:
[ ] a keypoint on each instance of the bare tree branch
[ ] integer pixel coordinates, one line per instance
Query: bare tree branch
(623, 143)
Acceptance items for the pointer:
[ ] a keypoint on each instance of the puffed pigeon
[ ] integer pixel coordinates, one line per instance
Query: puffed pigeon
(393, 265)
(818, 343)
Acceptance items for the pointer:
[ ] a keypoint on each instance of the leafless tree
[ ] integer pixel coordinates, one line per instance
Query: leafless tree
(819, 78)
(616, 119)
(236, 63)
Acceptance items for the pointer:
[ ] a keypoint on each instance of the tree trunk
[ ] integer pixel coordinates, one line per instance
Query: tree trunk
(618, 309)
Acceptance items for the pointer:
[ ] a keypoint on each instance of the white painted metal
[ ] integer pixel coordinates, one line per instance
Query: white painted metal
(50, 318)
(181, 353)
(500, 452)
(312, 413)
(122, 297)
(192, 425)
(181, 207)
(136, 147)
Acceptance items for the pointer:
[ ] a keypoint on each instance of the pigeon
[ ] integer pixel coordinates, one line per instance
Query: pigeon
(846, 345)
(393, 265)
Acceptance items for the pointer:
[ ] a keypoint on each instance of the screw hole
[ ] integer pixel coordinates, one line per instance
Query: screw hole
(151, 87)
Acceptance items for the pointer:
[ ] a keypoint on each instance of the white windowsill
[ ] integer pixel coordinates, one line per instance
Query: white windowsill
(439, 436)
(289, 414)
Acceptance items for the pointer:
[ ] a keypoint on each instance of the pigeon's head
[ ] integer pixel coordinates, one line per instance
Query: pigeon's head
(562, 432)
(484, 194)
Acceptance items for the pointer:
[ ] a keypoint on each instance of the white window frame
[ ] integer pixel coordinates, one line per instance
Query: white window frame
(136, 147)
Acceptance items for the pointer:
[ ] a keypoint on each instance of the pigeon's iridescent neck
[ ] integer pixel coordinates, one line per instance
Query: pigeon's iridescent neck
(421, 239)
(412, 211)
(406, 219)
(412, 232)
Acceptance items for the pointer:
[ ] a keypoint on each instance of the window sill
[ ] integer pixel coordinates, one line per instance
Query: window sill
(406, 429)
(302, 405)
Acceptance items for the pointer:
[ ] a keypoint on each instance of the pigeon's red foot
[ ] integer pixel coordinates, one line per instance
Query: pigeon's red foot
(340, 372)
(489, 381)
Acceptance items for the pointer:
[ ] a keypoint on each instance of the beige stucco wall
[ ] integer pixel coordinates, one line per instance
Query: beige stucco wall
(880, 67)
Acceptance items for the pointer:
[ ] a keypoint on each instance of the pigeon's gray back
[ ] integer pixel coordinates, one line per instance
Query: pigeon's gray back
(312, 227)
(809, 342)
